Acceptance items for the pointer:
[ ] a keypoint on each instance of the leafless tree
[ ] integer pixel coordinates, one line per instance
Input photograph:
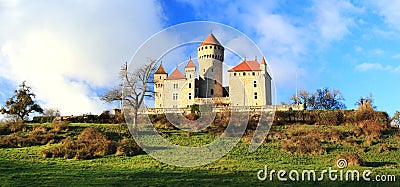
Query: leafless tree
(302, 98)
(52, 112)
(134, 87)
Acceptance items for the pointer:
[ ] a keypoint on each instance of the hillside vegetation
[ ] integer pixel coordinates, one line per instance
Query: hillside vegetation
(92, 154)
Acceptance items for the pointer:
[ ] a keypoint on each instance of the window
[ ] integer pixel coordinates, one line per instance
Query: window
(190, 76)
(234, 74)
(176, 86)
(255, 95)
(215, 81)
(174, 106)
(160, 105)
(244, 73)
(206, 47)
(212, 91)
(210, 47)
(204, 70)
(160, 77)
(255, 84)
(254, 73)
(190, 85)
(212, 69)
(175, 96)
(190, 96)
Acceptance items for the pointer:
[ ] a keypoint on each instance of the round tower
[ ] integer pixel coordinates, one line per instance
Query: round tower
(210, 55)
(159, 77)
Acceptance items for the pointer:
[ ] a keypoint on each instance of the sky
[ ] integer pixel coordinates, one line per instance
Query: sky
(70, 51)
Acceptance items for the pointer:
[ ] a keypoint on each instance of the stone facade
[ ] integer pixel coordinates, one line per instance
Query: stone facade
(249, 82)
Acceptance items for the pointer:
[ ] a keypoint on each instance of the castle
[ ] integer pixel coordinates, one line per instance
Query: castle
(249, 81)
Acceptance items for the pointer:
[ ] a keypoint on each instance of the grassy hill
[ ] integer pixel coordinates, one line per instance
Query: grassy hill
(80, 154)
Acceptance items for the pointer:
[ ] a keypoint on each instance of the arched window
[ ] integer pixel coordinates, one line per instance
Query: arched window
(244, 73)
(205, 47)
(190, 85)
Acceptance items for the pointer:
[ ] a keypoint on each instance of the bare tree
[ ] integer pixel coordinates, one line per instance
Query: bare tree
(322, 99)
(114, 94)
(366, 103)
(302, 98)
(136, 87)
(329, 100)
(52, 112)
(395, 120)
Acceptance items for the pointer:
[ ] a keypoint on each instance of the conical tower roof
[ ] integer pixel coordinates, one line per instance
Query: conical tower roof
(190, 64)
(160, 70)
(210, 40)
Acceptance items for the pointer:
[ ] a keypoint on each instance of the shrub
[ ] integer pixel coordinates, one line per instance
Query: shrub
(331, 117)
(127, 147)
(38, 136)
(60, 126)
(352, 159)
(370, 128)
(89, 144)
(384, 148)
(43, 119)
(192, 117)
(308, 144)
(12, 127)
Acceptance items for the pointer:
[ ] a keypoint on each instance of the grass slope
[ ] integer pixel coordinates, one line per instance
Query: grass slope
(24, 166)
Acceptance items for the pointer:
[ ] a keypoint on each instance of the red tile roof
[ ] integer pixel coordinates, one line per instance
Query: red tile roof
(176, 75)
(190, 64)
(210, 40)
(160, 70)
(251, 65)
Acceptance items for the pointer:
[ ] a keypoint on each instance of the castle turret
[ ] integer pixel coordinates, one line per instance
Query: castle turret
(210, 56)
(263, 66)
(159, 77)
(190, 70)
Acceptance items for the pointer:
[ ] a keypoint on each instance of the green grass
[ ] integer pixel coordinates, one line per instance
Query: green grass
(24, 166)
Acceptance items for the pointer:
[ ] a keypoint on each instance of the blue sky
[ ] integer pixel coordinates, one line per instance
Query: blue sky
(71, 51)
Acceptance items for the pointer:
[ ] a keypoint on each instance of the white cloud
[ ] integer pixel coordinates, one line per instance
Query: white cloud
(285, 38)
(377, 67)
(390, 11)
(378, 51)
(333, 19)
(397, 56)
(358, 48)
(66, 50)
